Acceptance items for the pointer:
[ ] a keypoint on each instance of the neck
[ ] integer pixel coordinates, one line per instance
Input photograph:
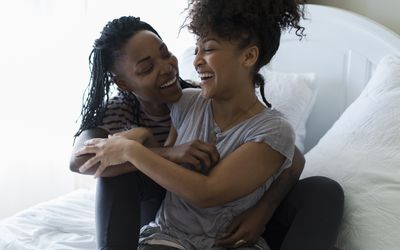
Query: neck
(231, 111)
(154, 109)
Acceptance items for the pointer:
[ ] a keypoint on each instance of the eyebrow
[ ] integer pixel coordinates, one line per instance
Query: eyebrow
(204, 40)
(148, 57)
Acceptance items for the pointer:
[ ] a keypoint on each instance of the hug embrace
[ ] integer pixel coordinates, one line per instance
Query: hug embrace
(209, 167)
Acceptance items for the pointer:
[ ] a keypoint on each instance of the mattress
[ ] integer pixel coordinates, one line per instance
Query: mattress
(65, 223)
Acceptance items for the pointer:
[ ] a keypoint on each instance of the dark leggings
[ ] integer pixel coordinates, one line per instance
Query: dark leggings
(308, 217)
(123, 204)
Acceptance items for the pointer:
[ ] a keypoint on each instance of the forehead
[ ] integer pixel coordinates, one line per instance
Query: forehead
(142, 44)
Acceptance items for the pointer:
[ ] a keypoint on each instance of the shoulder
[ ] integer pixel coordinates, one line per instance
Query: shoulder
(119, 101)
(119, 112)
(270, 120)
(190, 101)
(271, 127)
(188, 98)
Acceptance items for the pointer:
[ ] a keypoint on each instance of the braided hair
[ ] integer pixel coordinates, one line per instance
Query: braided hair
(102, 60)
(249, 22)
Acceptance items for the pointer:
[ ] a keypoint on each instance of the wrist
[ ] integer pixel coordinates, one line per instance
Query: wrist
(266, 209)
(129, 149)
(161, 151)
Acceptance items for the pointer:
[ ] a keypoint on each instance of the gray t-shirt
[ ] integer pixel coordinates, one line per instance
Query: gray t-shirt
(193, 227)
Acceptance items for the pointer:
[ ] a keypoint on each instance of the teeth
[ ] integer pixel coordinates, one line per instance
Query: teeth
(205, 75)
(169, 83)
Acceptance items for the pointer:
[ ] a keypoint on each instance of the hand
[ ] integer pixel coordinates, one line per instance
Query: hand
(139, 134)
(196, 153)
(245, 229)
(107, 152)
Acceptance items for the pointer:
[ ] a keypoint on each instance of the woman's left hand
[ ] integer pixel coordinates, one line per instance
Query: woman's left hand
(107, 152)
(244, 230)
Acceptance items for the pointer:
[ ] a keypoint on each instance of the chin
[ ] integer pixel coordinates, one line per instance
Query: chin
(204, 94)
(175, 97)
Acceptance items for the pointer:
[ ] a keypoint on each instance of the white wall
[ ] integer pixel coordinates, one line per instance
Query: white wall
(386, 12)
(44, 50)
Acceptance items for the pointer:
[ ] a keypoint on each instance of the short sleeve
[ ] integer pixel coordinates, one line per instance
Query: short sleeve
(278, 134)
(181, 108)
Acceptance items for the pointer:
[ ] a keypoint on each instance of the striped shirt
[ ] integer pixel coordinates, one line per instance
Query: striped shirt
(119, 117)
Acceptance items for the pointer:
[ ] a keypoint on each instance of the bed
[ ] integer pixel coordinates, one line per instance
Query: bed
(340, 88)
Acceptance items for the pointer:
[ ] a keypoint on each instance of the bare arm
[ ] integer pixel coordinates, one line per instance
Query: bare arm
(281, 187)
(77, 161)
(250, 224)
(193, 152)
(226, 182)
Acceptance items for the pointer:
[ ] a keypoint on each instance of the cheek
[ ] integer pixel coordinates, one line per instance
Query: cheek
(174, 63)
(143, 88)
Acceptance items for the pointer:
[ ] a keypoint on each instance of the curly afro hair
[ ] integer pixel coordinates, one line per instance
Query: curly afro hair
(248, 22)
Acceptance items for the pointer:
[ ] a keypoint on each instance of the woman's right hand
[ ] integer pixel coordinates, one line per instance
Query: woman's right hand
(197, 153)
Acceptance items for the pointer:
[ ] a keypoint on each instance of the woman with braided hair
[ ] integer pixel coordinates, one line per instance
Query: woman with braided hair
(230, 188)
(131, 54)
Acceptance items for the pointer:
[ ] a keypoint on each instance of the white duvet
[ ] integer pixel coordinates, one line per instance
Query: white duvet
(65, 223)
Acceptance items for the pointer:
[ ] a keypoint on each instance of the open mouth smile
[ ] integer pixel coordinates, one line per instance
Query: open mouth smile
(169, 83)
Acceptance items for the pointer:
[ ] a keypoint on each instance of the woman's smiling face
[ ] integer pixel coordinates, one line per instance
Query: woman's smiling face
(219, 65)
(148, 69)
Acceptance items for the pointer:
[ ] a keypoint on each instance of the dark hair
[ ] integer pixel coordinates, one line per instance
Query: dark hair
(249, 22)
(102, 59)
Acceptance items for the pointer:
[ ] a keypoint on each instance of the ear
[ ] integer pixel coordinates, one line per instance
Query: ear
(120, 82)
(250, 56)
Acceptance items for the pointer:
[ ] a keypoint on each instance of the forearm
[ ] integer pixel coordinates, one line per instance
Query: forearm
(170, 175)
(226, 182)
(161, 151)
(273, 197)
(77, 161)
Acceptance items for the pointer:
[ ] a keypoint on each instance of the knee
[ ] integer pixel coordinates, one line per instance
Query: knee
(326, 190)
(331, 189)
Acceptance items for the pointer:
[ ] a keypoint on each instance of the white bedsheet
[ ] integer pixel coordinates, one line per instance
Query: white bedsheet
(65, 223)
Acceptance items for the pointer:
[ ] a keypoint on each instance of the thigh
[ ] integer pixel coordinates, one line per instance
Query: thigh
(309, 217)
(118, 208)
(149, 209)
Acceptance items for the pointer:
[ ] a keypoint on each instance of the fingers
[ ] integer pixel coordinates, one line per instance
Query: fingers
(240, 243)
(211, 151)
(88, 164)
(233, 227)
(236, 239)
(100, 170)
(86, 150)
(198, 157)
(205, 153)
(93, 141)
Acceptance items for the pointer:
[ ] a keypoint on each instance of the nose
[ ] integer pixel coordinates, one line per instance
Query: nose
(167, 67)
(198, 60)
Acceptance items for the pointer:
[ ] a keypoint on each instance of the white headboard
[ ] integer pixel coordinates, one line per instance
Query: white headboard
(341, 47)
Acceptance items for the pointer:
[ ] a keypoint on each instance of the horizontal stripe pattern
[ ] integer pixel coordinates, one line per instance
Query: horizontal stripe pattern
(119, 117)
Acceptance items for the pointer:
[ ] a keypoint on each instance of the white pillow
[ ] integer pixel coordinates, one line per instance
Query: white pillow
(293, 94)
(362, 152)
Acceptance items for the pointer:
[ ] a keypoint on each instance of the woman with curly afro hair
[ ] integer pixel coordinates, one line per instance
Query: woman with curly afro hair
(255, 142)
